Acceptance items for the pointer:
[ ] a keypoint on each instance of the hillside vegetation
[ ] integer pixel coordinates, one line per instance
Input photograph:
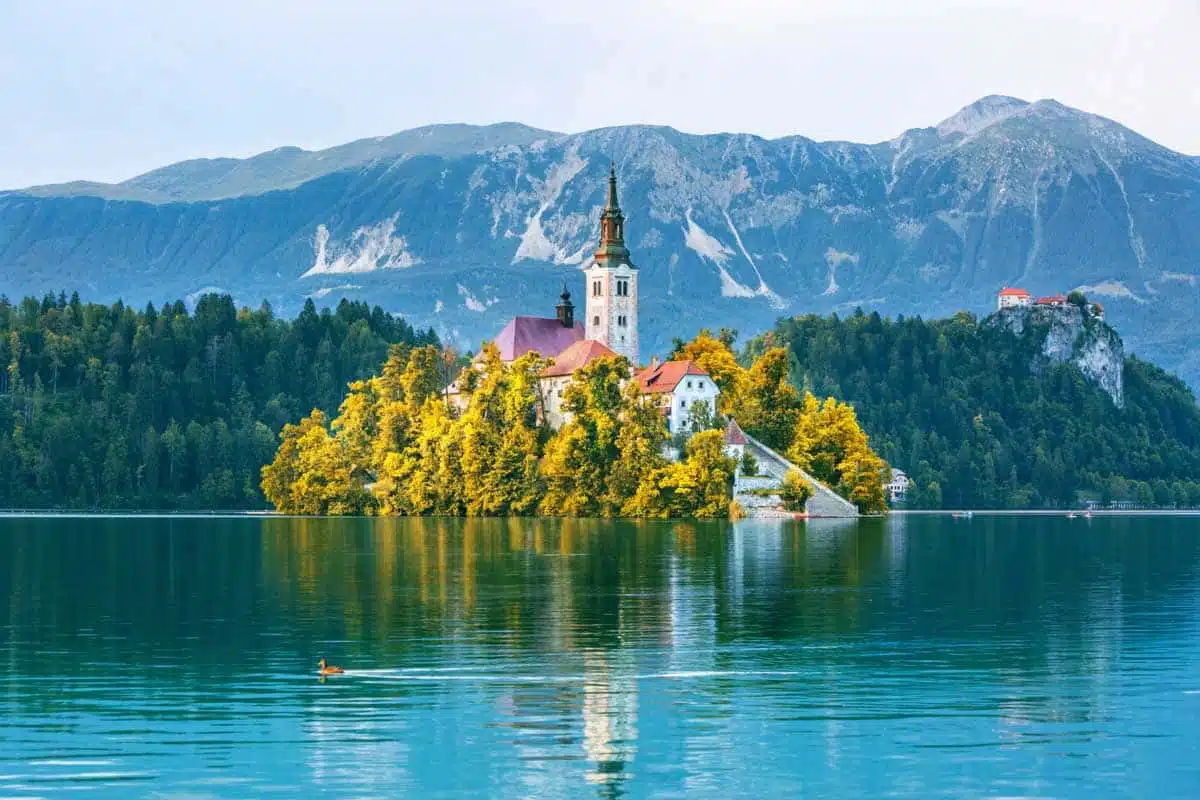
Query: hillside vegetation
(104, 406)
(978, 418)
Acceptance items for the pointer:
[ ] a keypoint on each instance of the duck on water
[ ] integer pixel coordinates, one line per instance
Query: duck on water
(326, 669)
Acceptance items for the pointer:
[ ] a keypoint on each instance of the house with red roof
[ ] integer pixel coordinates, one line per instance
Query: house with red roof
(1013, 298)
(1054, 301)
(556, 377)
(679, 387)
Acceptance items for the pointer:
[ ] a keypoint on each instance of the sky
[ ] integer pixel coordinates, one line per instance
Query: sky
(107, 89)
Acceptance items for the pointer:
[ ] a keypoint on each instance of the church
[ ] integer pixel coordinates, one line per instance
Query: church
(609, 328)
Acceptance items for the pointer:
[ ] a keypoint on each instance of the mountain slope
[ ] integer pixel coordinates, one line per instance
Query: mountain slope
(288, 167)
(728, 229)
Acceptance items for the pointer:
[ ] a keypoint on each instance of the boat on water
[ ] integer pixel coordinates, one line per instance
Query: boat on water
(961, 515)
(1071, 515)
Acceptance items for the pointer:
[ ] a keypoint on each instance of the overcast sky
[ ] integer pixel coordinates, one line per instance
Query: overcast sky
(106, 89)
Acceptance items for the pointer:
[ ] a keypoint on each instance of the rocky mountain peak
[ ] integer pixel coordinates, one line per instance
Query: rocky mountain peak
(983, 113)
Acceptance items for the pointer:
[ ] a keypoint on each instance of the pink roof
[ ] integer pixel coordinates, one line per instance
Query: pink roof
(1056, 300)
(666, 376)
(576, 356)
(546, 336)
(1006, 292)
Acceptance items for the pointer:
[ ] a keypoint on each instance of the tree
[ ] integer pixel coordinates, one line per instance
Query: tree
(639, 444)
(715, 356)
(698, 486)
(281, 476)
(796, 491)
(580, 456)
(772, 404)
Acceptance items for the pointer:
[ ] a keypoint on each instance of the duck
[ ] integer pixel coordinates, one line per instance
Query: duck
(326, 669)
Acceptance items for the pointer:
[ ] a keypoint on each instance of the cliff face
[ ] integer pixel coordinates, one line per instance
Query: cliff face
(1075, 335)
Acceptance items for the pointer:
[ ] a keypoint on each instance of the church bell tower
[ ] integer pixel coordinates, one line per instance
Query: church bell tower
(612, 284)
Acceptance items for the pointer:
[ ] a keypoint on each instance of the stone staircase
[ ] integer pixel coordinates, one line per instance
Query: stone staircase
(772, 468)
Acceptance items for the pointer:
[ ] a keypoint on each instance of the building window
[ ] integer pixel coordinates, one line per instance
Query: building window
(689, 384)
(596, 320)
(683, 403)
(622, 320)
(623, 288)
(596, 290)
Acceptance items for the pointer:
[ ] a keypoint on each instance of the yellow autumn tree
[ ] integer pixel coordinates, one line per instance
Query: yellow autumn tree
(280, 476)
(640, 443)
(579, 458)
(698, 486)
(716, 358)
(771, 407)
(829, 443)
(312, 473)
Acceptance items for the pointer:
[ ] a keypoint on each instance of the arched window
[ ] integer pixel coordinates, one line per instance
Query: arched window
(596, 320)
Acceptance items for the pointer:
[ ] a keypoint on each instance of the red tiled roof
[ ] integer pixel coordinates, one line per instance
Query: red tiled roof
(734, 433)
(545, 335)
(666, 376)
(1056, 300)
(576, 356)
(1006, 292)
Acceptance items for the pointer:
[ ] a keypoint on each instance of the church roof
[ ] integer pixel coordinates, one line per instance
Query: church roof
(664, 377)
(576, 356)
(545, 335)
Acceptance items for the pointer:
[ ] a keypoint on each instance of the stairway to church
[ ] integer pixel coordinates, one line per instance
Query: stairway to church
(772, 469)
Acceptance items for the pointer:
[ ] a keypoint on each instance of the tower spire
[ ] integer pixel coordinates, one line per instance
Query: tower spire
(612, 188)
(612, 250)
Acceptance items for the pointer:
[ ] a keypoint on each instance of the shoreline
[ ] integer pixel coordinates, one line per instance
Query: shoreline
(780, 517)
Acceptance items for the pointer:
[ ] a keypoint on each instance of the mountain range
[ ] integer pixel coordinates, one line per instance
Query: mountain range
(459, 227)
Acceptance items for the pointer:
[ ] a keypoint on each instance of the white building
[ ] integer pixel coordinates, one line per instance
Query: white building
(680, 386)
(897, 487)
(1013, 298)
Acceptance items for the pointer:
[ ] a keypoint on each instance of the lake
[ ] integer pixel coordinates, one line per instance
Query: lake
(913, 656)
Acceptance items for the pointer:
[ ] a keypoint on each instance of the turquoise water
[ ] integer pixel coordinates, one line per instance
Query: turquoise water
(916, 657)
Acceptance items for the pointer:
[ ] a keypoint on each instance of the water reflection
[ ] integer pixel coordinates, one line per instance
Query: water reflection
(601, 657)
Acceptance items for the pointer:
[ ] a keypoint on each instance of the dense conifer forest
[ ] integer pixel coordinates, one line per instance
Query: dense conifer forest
(105, 406)
(972, 415)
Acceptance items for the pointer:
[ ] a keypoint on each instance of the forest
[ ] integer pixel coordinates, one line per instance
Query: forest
(970, 413)
(180, 408)
(108, 407)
